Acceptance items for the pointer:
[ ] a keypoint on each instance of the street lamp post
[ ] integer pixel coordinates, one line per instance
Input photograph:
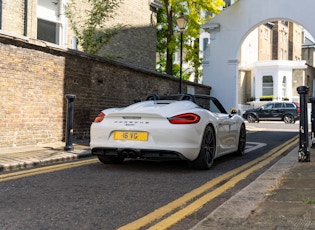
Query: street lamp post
(181, 24)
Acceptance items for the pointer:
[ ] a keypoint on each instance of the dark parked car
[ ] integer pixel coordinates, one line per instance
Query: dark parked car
(288, 112)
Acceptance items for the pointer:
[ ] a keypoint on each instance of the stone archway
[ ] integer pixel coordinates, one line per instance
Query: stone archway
(228, 31)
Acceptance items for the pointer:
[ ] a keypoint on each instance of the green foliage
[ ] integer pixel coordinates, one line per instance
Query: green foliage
(310, 201)
(161, 63)
(196, 14)
(89, 26)
(267, 97)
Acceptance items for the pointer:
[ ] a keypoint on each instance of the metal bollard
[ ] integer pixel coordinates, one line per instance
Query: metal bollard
(69, 122)
(304, 155)
(312, 100)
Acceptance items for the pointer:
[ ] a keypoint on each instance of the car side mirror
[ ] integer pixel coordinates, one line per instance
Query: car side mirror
(233, 111)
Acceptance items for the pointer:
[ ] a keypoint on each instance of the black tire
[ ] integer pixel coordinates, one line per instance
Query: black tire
(110, 160)
(241, 141)
(207, 150)
(288, 119)
(251, 118)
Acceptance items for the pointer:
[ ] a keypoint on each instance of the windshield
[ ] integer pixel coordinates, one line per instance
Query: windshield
(210, 103)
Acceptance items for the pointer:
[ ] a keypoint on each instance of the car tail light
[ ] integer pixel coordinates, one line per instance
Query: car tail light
(297, 107)
(186, 118)
(99, 117)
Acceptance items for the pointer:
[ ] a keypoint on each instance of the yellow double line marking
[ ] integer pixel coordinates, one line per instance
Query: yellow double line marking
(232, 178)
(241, 173)
(46, 169)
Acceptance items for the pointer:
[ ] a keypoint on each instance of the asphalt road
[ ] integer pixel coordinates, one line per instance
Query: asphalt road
(98, 196)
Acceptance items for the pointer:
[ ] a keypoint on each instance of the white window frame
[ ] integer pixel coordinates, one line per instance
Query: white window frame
(267, 86)
(55, 16)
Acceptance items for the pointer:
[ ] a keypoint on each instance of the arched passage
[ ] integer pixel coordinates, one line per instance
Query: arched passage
(230, 28)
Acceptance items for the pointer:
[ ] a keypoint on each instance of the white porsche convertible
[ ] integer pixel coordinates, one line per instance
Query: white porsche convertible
(195, 128)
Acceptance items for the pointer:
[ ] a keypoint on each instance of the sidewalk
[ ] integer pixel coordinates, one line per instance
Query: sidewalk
(30, 156)
(283, 197)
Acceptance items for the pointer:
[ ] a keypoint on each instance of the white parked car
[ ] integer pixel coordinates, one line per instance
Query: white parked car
(195, 128)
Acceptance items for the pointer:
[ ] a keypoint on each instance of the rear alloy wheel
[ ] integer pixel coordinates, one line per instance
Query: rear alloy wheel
(251, 118)
(207, 151)
(110, 160)
(289, 119)
(241, 141)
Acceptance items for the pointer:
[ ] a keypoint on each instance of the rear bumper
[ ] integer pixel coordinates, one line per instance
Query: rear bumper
(182, 141)
(139, 153)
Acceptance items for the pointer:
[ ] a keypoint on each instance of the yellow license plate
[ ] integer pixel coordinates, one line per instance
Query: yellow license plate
(132, 136)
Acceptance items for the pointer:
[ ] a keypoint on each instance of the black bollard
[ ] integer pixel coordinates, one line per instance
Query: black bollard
(304, 155)
(312, 100)
(69, 122)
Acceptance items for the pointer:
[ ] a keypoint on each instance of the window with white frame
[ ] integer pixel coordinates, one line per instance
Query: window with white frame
(205, 43)
(267, 89)
(266, 34)
(284, 86)
(49, 21)
(48, 31)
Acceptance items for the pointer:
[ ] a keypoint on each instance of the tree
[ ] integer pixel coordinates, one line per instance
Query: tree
(89, 26)
(197, 12)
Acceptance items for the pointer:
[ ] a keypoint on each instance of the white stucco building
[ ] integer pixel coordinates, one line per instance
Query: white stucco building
(232, 57)
(260, 76)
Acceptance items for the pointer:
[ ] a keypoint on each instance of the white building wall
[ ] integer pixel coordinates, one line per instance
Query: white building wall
(249, 51)
(230, 28)
(277, 69)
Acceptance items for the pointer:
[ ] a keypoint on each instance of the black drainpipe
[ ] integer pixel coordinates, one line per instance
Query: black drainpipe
(25, 16)
(0, 14)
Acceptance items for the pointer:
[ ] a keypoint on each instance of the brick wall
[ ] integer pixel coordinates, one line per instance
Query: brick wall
(13, 16)
(13, 11)
(135, 44)
(35, 78)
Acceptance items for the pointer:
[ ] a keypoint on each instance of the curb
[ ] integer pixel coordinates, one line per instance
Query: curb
(40, 159)
(239, 207)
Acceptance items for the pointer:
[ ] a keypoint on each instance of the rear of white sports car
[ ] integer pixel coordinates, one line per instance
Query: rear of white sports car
(168, 129)
(150, 129)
